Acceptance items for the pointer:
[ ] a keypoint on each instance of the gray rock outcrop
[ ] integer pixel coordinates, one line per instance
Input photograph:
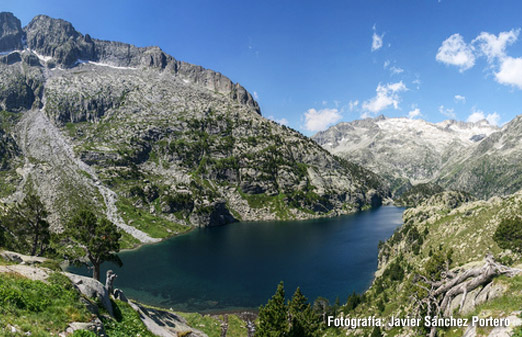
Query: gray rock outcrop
(92, 289)
(11, 33)
(95, 326)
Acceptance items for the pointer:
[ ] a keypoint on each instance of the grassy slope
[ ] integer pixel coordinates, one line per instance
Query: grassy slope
(38, 308)
(45, 309)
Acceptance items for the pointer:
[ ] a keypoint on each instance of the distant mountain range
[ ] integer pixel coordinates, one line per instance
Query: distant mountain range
(474, 157)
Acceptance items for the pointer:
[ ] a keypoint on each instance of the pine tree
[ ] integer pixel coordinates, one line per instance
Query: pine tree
(304, 322)
(98, 237)
(2, 234)
(336, 306)
(297, 304)
(273, 317)
(27, 224)
(321, 307)
(353, 301)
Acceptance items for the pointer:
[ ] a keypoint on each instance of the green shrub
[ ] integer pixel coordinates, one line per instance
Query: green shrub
(394, 272)
(437, 264)
(509, 234)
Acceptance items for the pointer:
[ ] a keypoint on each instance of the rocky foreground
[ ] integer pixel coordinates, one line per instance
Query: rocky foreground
(108, 311)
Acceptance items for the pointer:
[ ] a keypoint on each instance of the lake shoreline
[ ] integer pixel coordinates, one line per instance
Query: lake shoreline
(311, 217)
(236, 268)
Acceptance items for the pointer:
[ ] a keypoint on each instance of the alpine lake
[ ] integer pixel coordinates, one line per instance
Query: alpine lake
(238, 266)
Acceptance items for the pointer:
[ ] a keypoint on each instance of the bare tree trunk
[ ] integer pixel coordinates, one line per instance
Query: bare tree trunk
(96, 271)
(35, 244)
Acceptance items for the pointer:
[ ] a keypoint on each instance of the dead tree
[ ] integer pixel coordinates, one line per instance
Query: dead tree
(440, 293)
(109, 281)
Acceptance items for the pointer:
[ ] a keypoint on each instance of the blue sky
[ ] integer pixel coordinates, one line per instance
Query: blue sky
(314, 63)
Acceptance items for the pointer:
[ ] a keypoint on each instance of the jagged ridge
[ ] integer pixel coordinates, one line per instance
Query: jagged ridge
(57, 41)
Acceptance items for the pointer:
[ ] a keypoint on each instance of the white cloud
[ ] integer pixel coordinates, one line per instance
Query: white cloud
(448, 112)
(396, 70)
(256, 96)
(460, 99)
(475, 117)
(393, 69)
(387, 95)
(282, 121)
(510, 72)
(417, 83)
(493, 118)
(376, 40)
(353, 104)
(414, 113)
(478, 115)
(506, 69)
(454, 51)
(365, 115)
(320, 120)
(495, 46)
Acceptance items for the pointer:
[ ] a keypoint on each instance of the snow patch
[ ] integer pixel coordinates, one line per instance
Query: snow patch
(9, 52)
(99, 64)
(42, 57)
(394, 130)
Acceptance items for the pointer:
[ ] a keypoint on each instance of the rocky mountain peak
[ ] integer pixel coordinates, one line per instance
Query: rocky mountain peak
(58, 39)
(10, 32)
(55, 31)
(56, 43)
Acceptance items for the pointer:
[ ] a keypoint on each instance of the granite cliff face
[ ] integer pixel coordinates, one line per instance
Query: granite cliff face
(157, 144)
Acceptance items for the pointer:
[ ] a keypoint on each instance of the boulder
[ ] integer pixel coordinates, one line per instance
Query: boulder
(92, 289)
(95, 326)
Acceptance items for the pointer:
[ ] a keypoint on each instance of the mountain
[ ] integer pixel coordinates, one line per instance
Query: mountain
(158, 145)
(491, 167)
(406, 151)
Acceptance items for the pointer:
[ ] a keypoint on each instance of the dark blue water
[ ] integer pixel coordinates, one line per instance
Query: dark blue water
(239, 265)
